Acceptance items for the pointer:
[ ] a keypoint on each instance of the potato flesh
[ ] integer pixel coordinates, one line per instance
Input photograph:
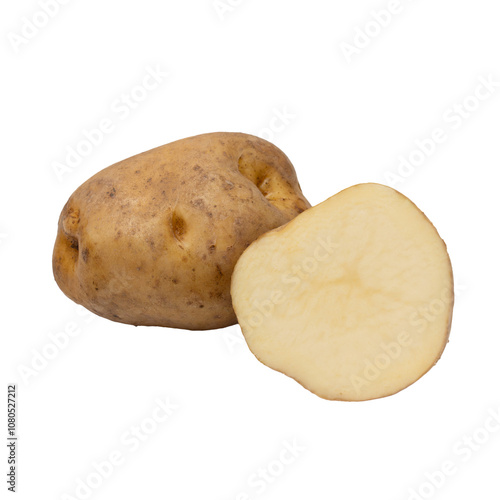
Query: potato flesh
(353, 298)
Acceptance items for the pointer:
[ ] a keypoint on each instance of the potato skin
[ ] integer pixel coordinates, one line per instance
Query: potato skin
(153, 240)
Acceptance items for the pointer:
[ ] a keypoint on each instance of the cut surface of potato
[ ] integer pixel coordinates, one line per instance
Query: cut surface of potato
(353, 298)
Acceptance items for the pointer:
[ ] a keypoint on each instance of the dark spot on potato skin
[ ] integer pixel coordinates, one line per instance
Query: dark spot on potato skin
(196, 167)
(211, 247)
(299, 209)
(112, 193)
(198, 203)
(85, 254)
(175, 281)
(178, 225)
(219, 270)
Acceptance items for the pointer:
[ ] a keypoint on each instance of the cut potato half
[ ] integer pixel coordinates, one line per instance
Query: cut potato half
(353, 298)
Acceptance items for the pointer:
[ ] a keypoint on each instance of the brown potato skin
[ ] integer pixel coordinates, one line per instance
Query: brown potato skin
(153, 240)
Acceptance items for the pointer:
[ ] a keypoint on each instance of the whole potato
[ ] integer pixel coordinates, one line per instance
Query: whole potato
(153, 240)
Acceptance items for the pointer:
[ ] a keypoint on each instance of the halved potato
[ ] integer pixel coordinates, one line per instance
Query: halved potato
(353, 298)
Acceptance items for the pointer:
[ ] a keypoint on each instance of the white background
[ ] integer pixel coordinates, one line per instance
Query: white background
(233, 70)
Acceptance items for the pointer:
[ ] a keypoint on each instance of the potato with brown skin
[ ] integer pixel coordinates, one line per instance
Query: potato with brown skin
(153, 240)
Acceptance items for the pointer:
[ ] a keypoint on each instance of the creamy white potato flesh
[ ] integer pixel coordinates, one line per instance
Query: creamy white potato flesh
(353, 298)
